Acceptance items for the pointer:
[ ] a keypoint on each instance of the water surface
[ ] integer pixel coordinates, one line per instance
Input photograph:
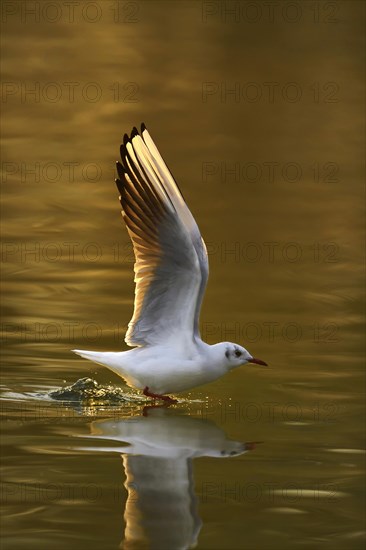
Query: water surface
(260, 121)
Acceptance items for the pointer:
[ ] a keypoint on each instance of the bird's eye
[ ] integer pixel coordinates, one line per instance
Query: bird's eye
(237, 353)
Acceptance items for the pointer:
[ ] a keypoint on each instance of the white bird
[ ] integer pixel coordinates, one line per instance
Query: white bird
(171, 271)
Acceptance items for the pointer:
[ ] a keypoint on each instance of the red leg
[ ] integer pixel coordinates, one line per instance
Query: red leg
(165, 398)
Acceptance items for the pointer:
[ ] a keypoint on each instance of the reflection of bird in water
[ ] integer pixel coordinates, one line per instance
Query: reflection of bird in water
(161, 508)
(171, 272)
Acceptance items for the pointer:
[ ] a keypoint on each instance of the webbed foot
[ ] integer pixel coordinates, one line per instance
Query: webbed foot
(165, 398)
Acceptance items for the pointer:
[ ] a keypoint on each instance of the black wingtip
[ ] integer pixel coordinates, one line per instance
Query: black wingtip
(126, 139)
(121, 171)
(119, 184)
(143, 127)
(134, 132)
(122, 151)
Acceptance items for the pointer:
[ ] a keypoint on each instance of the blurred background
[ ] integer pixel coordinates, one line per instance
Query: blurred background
(258, 109)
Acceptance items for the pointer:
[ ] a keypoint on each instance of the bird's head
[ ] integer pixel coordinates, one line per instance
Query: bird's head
(235, 355)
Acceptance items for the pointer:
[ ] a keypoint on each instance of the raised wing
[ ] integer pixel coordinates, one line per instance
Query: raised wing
(171, 265)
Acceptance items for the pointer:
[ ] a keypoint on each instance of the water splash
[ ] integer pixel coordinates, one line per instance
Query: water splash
(87, 390)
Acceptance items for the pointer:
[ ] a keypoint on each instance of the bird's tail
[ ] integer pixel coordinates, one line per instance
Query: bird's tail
(110, 359)
(100, 357)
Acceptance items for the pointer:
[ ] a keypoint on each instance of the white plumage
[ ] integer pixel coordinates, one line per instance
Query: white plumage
(171, 271)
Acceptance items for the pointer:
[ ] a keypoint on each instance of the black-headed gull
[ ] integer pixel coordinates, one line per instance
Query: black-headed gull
(171, 271)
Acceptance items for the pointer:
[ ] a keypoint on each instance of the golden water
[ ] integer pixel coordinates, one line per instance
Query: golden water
(258, 112)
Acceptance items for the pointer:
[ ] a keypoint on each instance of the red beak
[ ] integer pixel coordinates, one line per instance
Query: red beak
(257, 361)
(251, 445)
